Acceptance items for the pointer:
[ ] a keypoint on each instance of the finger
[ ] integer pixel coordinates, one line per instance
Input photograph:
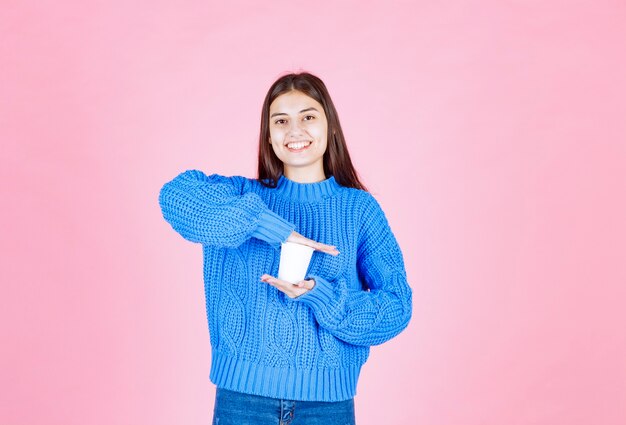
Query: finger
(306, 284)
(274, 283)
(279, 283)
(318, 246)
(271, 280)
(312, 243)
(285, 287)
(283, 283)
(324, 247)
(329, 249)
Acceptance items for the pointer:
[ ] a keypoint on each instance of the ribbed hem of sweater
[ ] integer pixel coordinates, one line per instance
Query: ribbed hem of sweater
(287, 383)
(273, 228)
(306, 192)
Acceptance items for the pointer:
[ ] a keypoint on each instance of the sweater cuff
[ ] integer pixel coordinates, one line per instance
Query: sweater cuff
(272, 228)
(320, 297)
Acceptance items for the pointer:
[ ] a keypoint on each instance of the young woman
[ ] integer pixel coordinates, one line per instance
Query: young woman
(285, 353)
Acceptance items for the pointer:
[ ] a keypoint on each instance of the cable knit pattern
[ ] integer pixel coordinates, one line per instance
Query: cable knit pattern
(311, 347)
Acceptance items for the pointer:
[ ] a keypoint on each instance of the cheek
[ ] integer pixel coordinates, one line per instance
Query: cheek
(276, 133)
(322, 141)
(320, 131)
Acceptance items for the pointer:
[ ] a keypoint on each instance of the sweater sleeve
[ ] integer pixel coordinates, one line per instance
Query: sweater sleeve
(215, 210)
(377, 313)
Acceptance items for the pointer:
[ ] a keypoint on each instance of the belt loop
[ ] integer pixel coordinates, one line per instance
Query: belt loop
(287, 410)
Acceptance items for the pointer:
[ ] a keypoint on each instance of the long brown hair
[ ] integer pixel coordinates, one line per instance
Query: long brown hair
(336, 159)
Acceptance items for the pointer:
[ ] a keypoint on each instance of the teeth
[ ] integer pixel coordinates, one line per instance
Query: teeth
(298, 145)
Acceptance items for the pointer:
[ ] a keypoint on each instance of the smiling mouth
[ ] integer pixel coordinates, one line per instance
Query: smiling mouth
(298, 146)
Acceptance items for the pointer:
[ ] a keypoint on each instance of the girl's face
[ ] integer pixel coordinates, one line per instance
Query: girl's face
(298, 132)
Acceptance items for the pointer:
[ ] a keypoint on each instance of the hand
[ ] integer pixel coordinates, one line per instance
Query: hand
(292, 290)
(318, 246)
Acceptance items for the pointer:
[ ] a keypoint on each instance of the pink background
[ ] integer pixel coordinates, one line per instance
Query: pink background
(492, 133)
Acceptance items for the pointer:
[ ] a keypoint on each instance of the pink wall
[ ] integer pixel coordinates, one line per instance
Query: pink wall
(492, 133)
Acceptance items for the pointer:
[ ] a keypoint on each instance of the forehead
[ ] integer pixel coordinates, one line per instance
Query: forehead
(293, 102)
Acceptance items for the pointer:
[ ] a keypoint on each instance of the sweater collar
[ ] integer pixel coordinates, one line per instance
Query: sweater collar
(306, 192)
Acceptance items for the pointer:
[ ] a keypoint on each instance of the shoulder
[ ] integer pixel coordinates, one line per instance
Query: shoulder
(364, 203)
(374, 228)
(365, 210)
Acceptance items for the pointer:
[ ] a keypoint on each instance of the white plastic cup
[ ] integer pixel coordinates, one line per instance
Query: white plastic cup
(294, 261)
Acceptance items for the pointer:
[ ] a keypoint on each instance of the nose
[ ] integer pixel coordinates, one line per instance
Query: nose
(295, 128)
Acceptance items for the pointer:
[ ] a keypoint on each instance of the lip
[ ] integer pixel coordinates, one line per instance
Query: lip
(299, 150)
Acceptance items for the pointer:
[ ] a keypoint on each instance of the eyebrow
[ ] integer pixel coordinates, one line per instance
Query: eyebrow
(304, 110)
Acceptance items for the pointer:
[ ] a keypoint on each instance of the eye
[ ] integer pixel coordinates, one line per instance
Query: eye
(312, 116)
(278, 121)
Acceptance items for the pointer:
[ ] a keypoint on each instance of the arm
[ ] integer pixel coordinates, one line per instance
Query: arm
(366, 317)
(212, 210)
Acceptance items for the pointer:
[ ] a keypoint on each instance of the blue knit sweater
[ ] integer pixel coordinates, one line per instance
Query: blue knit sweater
(307, 348)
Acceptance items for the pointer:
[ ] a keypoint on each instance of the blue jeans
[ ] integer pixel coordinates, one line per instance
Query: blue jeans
(235, 408)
